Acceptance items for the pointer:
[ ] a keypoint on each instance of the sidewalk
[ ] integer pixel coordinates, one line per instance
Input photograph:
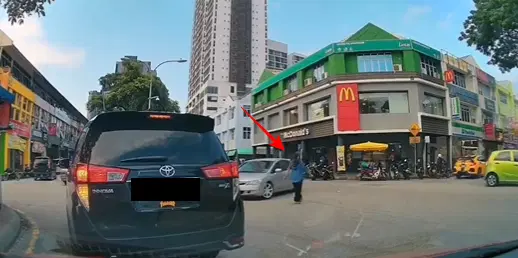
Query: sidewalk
(9, 227)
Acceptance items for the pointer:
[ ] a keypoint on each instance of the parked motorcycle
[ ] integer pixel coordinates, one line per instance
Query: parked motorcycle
(10, 175)
(435, 172)
(374, 173)
(320, 171)
(394, 171)
(431, 169)
(404, 169)
(419, 169)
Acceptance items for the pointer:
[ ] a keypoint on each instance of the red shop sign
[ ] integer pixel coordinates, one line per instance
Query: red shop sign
(20, 129)
(490, 130)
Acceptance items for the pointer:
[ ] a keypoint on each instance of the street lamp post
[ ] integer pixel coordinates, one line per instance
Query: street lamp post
(154, 72)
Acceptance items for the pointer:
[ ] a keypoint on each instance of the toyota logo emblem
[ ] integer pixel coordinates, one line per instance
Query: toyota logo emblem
(167, 171)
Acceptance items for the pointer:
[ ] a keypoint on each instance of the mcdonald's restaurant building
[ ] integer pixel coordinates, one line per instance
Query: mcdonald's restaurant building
(355, 109)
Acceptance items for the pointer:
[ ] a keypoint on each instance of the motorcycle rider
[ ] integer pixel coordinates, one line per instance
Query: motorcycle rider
(441, 163)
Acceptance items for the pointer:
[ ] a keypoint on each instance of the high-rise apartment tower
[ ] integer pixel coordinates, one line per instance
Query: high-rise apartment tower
(228, 52)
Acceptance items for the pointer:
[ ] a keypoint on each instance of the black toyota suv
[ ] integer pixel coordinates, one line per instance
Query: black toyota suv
(116, 148)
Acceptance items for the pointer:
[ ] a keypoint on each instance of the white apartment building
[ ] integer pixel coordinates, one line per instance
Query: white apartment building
(232, 126)
(294, 58)
(277, 55)
(227, 57)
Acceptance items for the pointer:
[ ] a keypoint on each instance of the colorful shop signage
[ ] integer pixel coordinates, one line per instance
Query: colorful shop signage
(467, 130)
(449, 76)
(20, 129)
(348, 118)
(455, 63)
(463, 94)
(485, 78)
(295, 133)
(384, 45)
(16, 143)
(490, 131)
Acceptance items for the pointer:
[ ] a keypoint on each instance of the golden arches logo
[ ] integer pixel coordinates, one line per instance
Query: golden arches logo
(346, 93)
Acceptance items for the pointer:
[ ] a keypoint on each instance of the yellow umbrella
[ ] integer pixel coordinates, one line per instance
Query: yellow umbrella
(369, 147)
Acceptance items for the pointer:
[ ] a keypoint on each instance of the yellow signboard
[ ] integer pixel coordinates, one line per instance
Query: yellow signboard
(415, 129)
(415, 139)
(456, 63)
(347, 93)
(340, 159)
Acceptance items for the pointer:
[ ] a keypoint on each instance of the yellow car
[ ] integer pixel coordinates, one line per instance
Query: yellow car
(473, 166)
(502, 167)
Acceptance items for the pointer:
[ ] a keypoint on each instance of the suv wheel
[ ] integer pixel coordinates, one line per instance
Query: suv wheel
(491, 180)
(268, 191)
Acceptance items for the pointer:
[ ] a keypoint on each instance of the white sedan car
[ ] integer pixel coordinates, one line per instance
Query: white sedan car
(264, 177)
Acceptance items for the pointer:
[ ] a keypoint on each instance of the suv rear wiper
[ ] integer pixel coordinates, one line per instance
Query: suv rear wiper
(145, 159)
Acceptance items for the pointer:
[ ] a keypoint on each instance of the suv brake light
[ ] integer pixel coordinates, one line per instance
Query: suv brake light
(222, 171)
(98, 174)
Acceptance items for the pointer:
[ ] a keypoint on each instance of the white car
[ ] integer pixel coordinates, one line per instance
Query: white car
(264, 177)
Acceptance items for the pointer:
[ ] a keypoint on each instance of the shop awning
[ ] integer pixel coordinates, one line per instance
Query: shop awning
(6, 96)
(369, 147)
(245, 151)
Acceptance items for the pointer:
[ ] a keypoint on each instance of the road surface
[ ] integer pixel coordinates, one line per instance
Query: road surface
(336, 219)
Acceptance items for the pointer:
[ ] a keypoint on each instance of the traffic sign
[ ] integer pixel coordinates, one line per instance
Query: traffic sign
(415, 129)
(415, 139)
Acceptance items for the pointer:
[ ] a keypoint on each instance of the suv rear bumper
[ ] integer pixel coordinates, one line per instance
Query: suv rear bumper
(89, 241)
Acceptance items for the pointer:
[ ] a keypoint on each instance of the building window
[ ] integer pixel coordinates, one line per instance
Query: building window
(373, 63)
(503, 98)
(224, 136)
(231, 134)
(231, 112)
(292, 84)
(487, 118)
(318, 73)
(247, 108)
(484, 90)
(291, 116)
(247, 132)
(433, 105)
(212, 99)
(460, 80)
(218, 120)
(317, 110)
(383, 102)
(467, 114)
(429, 67)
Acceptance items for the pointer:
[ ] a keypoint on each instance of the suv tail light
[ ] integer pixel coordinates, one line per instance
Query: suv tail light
(98, 174)
(84, 175)
(226, 170)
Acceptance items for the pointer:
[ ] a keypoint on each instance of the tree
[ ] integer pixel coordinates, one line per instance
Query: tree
(493, 29)
(130, 90)
(18, 10)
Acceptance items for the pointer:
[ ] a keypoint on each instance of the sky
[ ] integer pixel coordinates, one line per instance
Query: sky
(80, 40)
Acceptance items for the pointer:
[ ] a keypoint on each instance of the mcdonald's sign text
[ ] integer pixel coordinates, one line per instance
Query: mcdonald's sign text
(348, 108)
(346, 94)
(449, 76)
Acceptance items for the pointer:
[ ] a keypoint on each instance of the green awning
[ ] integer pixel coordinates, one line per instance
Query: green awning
(245, 151)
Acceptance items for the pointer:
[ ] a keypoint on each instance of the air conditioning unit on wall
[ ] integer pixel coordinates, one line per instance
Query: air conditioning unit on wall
(308, 81)
(398, 68)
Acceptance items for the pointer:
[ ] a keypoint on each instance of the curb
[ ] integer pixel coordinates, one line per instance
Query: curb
(10, 228)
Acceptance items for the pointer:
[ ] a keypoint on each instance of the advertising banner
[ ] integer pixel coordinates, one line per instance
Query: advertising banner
(20, 129)
(340, 159)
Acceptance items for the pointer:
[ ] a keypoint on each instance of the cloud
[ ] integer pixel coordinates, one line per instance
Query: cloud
(415, 12)
(31, 40)
(446, 22)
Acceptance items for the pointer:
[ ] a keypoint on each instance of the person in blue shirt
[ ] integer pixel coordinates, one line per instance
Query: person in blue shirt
(297, 171)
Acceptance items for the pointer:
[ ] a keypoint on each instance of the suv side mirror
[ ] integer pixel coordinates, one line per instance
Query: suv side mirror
(277, 170)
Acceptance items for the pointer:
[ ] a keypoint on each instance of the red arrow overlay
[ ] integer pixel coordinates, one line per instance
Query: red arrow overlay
(276, 143)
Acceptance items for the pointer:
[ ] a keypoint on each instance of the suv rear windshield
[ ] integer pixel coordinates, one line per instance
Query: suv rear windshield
(184, 139)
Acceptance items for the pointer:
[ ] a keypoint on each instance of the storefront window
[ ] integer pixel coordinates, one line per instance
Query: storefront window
(433, 105)
(291, 116)
(317, 110)
(384, 102)
(376, 62)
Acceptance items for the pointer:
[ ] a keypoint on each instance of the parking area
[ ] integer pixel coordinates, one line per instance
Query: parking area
(336, 218)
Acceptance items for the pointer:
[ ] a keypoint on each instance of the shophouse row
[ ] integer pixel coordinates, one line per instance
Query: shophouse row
(374, 86)
(39, 120)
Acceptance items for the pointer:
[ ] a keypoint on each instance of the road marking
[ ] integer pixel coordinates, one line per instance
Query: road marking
(355, 233)
(35, 233)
